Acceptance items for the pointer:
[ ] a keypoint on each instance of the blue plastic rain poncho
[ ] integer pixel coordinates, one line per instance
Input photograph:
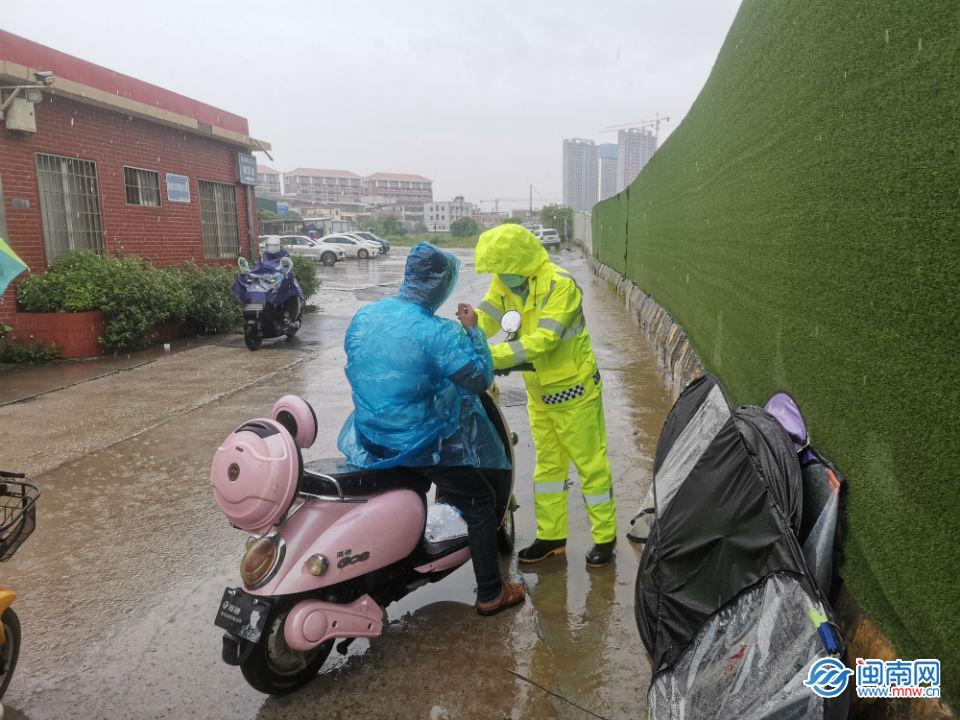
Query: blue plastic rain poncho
(415, 377)
(267, 282)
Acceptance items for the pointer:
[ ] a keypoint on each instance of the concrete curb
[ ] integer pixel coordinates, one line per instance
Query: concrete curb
(681, 364)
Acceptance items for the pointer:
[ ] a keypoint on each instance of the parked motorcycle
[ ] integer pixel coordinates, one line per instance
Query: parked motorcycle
(331, 546)
(271, 298)
(17, 521)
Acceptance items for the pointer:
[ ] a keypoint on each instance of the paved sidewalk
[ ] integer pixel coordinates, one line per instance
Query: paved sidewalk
(51, 429)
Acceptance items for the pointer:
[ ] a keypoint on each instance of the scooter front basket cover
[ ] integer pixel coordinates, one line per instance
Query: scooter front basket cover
(254, 475)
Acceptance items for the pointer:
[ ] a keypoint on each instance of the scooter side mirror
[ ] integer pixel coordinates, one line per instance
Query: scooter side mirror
(510, 322)
(244, 265)
(286, 265)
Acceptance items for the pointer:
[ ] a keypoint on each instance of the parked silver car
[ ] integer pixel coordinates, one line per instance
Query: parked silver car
(353, 246)
(326, 253)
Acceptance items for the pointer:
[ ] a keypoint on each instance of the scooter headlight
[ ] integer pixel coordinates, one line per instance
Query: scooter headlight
(261, 560)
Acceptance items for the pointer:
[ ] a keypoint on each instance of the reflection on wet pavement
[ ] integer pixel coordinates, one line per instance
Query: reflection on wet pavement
(119, 584)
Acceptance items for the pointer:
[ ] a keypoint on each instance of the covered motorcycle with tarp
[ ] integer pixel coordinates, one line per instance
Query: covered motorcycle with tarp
(727, 603)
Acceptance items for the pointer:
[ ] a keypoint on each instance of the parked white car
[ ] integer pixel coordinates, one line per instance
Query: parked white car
(326, 253)
(549, 237)
(353, 246)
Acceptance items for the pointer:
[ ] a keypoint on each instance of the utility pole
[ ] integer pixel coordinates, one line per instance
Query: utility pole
(531, 201)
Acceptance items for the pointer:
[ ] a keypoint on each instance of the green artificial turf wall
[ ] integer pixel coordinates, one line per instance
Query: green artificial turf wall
(801, 224)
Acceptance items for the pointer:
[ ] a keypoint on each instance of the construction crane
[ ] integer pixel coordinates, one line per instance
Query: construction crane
(496, 201)
(643, 123)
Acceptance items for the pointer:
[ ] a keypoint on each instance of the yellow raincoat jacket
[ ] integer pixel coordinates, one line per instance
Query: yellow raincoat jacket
(563, 392)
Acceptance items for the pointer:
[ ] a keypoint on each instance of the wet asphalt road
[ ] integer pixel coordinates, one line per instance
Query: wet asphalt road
(119, 584)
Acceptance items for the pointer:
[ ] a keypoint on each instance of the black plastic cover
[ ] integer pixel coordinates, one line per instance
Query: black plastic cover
(728, 494)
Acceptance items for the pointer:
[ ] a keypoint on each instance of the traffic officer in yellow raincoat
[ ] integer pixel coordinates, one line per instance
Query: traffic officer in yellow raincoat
(563, 390)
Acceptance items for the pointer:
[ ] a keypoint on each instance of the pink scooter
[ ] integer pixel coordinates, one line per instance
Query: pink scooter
(330, 547)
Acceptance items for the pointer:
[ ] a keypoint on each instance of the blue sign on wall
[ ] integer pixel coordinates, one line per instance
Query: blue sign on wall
(178, 188)
(283, 208)
(246, 169)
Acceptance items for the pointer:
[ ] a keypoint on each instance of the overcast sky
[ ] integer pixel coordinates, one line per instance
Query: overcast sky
(476, 96)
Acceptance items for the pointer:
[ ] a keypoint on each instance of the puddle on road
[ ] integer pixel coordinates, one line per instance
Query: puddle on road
(119, 584)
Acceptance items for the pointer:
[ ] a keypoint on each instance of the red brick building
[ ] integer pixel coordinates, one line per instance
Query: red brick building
(115, 163)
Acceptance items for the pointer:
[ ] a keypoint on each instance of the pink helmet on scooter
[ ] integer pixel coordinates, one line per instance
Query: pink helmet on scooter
(255, 473)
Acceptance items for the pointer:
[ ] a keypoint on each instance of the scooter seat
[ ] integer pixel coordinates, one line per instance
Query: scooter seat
(358, 481)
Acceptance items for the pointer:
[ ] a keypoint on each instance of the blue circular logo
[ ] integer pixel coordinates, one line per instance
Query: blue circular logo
(828, 677)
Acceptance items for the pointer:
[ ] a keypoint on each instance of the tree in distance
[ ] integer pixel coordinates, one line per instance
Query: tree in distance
(558, 217)
(389, 226)
(464, 227)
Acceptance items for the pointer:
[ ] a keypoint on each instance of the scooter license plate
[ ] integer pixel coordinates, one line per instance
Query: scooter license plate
(250, 307)
(242, 614)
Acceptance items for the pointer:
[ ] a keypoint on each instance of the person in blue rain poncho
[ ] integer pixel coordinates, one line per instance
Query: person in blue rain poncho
(415, 380)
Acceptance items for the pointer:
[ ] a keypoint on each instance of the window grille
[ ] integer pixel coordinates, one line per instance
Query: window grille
(69, 205)
(218, 220)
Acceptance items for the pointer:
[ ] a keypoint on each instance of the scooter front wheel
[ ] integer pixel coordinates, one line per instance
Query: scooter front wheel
(274, 668)
(9, 648)
(253, 336)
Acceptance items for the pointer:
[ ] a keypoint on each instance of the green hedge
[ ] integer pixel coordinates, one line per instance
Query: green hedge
(134, 295)
(801, 224)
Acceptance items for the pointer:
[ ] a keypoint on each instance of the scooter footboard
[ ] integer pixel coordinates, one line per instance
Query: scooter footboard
(313, 622)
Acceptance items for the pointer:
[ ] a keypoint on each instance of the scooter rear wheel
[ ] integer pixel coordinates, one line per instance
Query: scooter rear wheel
(253, 337)
(9, 648)
(272, 667)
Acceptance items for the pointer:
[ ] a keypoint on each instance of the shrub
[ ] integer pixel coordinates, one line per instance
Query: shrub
(212, 307)
(136, 298)
(305, 270)
(36, 353)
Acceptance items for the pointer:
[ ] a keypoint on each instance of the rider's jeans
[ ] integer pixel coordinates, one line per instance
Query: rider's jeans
(468, 490)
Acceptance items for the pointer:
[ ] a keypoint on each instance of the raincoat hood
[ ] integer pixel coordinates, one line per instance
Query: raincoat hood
(509, 249)
(429, 276)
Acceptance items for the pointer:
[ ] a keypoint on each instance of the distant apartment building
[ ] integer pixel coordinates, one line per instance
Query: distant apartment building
(268, 182)
(608, 170)
(438, 216)
(580, 174)
(410, 192)
(316, 187)
(634, 148)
